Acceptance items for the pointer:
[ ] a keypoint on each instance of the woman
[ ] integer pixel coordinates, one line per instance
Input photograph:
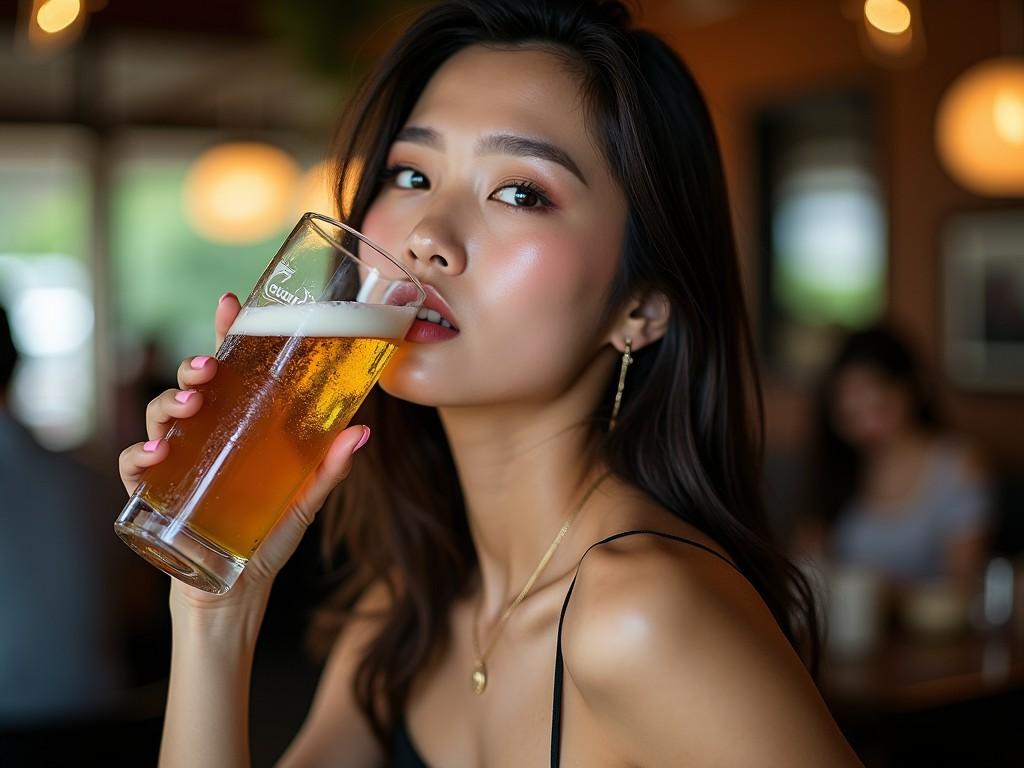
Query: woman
(895, 491)
(552, 174)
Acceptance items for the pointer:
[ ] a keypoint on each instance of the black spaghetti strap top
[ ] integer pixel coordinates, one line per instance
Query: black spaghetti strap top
(404, 754)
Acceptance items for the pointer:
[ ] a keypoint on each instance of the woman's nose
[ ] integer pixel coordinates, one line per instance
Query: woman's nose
(433, 247)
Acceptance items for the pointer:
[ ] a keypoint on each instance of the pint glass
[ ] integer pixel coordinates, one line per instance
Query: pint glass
(306, 348)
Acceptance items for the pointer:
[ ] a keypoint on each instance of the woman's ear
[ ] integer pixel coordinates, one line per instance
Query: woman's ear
(643, 320)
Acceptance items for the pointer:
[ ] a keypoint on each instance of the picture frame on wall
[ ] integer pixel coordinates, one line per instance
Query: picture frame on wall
(983, 286)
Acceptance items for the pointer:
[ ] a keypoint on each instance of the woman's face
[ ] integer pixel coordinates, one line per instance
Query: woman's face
(498, 197)
(868, 409)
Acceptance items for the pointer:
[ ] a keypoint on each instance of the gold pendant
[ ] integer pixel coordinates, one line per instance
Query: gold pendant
(479, 678)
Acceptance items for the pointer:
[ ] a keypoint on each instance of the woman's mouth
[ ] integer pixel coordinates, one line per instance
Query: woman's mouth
(434, 321)
(433, 316)
(425, 331)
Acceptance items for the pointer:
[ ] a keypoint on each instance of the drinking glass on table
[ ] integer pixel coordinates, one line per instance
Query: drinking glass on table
(308, 345)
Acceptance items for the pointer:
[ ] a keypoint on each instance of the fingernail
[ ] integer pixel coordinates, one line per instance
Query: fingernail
(221, 299)
(199, 362)
(151, 446)
(184, 395)
(363, 439)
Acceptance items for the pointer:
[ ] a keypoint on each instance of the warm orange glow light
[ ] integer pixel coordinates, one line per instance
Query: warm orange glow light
(890, 16)
(240, 193)
(55, 15)
(1008, 115)
(979, 129)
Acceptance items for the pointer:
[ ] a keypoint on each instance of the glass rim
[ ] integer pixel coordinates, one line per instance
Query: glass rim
(311, 218)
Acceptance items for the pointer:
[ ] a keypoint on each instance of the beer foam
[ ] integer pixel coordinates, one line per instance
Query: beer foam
(327, 319)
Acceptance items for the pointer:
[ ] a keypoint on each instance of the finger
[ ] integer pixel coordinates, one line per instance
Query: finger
(136, 459)
(283, 539)
(332, 470)
(227, 310)
(168, 407)
(197, 370)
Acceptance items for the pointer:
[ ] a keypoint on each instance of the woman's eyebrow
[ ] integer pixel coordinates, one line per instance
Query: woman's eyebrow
(418, 135)
(521, 146)
(498, 143)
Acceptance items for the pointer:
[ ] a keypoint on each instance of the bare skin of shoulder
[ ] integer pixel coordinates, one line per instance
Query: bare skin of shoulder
(671, 658)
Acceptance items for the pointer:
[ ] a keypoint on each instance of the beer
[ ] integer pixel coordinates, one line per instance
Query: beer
(310, 341)
(289, 379)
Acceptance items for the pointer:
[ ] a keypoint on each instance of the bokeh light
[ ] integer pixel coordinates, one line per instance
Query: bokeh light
(240, 192)
(979, 129)
(889, 16)
(55, 15)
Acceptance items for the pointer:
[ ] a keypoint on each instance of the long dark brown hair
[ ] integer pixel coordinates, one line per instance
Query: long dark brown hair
(689, 432)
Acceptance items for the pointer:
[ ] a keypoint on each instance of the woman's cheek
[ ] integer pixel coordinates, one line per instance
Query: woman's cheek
(533, 273)
(544, 296)
(384, 228)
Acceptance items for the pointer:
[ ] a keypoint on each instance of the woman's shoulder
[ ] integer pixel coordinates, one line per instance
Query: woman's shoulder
(646, 594)
(957, 462)
(659, 631)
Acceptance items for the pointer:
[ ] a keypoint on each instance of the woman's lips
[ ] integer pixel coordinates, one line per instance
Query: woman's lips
(426, 332)
(405, 293)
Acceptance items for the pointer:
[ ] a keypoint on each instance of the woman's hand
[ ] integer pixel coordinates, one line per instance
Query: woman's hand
(253, 586)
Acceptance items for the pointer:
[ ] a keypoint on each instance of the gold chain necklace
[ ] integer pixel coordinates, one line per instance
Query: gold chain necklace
(479, 677)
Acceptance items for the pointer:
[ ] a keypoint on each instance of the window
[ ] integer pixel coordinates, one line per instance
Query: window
(45, 279)
(823, 229)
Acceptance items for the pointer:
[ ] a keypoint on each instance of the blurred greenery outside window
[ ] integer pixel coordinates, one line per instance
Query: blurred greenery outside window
(165, 278)
(830, 245)
(46, 279)
(824, 229)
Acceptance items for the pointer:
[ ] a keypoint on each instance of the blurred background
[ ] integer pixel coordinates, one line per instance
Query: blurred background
(153, 156)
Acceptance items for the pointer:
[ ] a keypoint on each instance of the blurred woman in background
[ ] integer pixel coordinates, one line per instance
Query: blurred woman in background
(894, 490)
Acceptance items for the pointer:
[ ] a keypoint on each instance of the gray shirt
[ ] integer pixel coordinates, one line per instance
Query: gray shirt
(909, 541)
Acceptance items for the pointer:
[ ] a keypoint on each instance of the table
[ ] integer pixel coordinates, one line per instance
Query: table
(955, 700)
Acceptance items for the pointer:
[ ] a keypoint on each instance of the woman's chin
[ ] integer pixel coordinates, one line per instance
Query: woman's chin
(401, 385)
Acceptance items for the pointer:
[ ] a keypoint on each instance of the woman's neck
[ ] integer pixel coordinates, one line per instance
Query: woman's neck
(522, 473)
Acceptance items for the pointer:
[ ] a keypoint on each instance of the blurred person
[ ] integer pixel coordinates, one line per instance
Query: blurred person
(892, 489)
(60, 658)
(551, 173)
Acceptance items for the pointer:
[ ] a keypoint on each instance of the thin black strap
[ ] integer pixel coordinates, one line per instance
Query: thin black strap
(403, 752)
(556, 699)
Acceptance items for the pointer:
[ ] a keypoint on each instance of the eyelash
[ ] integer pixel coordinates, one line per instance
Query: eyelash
(391, 171)
(389, 174)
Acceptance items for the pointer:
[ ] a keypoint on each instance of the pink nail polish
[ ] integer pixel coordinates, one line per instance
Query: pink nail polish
(221, 299)
(363, 439)
(152, 445)
(184, 395)
(199, 362)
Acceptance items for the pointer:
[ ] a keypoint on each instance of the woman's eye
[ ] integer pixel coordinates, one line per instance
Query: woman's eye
(520, 196)
(409, 178)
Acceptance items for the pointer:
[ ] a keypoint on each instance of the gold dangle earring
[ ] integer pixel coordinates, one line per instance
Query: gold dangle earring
(627, 358)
